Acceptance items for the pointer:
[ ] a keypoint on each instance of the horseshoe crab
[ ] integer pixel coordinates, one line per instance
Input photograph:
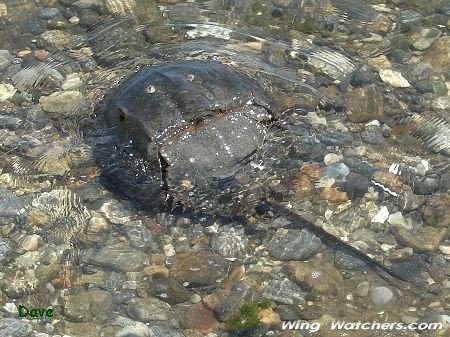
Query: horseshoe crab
(197, 128)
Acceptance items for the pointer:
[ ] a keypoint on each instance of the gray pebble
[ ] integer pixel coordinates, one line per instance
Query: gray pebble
(10, 327)
(362, 289)
(409, 201)
(120, 258)
(283, 291)
(229, 242)
(293, 245)
(373, 135)
(139, 235)
(10, 204)
(5, 249)
(343, 260)
(381, 295)
(425, 185)
(148, 309)
(4, 58)
(48, 13)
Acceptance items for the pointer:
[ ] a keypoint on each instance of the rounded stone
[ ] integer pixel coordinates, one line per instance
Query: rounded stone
(148, 309)
(332, 158)
(48, 13)
(62, 102)
(394, 78)
(381, 296)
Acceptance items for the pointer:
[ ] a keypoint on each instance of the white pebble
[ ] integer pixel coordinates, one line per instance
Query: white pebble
(381, 216)
(169, 250)
(444, 249)
(332, 158)
(394, 78)
(6, 91)
(72, 81)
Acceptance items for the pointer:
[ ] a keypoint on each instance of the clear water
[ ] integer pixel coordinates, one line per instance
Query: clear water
(305, 55)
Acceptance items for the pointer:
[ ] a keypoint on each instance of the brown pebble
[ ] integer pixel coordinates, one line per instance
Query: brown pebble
(333, 195)
(156, 271)
(303, 188)
(270, 318)
(41, 54)
(200, 318)
(311, 170)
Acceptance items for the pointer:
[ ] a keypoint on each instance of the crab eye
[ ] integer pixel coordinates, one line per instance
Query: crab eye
(122, 115)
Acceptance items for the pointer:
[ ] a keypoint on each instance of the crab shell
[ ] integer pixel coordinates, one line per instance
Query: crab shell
(195, 122)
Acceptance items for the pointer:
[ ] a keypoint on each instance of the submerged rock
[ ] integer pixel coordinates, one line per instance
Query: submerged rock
(364, 104)
(199, 268)
(394, 78)
(293, 244)
(381, 296)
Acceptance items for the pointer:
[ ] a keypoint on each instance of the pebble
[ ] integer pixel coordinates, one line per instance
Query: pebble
(443, 249)
(426, 240)
(148, 309)
(441, 103)
(333, 195)
(48, 13)
(394, 78)
(64, 102)
(409, 319)
(199, 268)
(362, 289)
(356, 185)
(437, 55)
(372, 134)
(379, 63)
(29, 242)
(85, 306)
(293, 244)
(436, 87)
(240, 294)
(337, 172)
(72, 82)
(381, 296)
(283, 291)
(5, 249)
(74, 20)
(397, 219)
(54, 39)
(362, 76)
(425, 185)
(343, 260)
(116, 212)
(88, 4)
(135, 329)
(166, 289)
(229, 242)
(119, 258)
(409, 201)
(6, 91)
(381, 216)
(321, 277)
(332, 158)
(199, 318)
(364, 104)
(436, 211)
(424, 38)
(11, 327)
(5, 55)
(138, 235)
(10, 204)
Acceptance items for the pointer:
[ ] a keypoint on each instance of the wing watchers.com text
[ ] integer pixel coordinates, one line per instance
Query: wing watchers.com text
(359, 325)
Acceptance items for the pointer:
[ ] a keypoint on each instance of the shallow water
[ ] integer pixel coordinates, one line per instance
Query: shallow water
(359, 147)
